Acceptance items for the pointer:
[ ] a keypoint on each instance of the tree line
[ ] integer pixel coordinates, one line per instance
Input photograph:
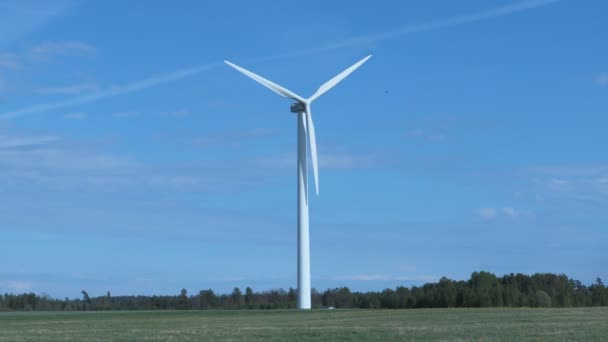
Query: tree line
(483, 289)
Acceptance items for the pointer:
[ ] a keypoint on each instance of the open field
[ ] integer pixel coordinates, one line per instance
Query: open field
(576, 324)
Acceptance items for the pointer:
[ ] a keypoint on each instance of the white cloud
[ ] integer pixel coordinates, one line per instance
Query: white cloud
(487, 213)
(510, 212)
(75, 116)
(73, 89)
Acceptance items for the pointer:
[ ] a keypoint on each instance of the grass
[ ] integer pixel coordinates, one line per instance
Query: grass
(576, 324)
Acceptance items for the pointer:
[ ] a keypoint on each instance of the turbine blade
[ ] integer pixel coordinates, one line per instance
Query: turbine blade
(268, 84)
(313, 147)
(331, 83)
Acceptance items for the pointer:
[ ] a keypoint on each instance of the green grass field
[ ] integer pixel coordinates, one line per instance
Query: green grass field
(577, 324)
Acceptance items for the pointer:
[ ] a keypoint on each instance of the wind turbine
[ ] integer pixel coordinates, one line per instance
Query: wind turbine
(305, 127)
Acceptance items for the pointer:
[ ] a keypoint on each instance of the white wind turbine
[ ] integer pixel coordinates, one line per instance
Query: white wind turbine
(305, 125)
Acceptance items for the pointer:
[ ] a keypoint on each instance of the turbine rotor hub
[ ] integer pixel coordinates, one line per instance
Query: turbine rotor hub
(297, 107)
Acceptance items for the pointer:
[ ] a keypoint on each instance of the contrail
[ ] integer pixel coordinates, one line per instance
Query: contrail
(359, 40)
(114, 91)
(433, 25)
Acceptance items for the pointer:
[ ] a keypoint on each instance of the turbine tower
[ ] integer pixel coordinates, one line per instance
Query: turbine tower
(305, 127)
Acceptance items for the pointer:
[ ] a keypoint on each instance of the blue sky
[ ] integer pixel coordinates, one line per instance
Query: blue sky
(133, 160)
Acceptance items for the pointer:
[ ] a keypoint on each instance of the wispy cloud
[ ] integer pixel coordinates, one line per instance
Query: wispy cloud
(488, 214)
(16, 286)
(74, 47)
(127, 114)
(20, 17)
(43, 52)
(10, 61)
(326, 161)
(429, 136)
(348, 161)
(603, 79)
(384, 277)
(75, 116)
(179, 113)
(515, 214)
(578, 182)
(50, 162)
(11, 141)
(72, 89)
(233, 138)
(50, 49)
(3, 86)
(46, 160)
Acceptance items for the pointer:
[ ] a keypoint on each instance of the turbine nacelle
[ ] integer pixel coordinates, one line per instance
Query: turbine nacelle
(298, 107)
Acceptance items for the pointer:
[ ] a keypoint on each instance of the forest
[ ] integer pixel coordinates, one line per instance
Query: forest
(483, 289)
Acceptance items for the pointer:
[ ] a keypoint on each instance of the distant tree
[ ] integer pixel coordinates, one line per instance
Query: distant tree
(445, 296)
(390, 299)
(237, 297)
(484, 286)
(249, 297)
(292, 298)
(482, 289)
(183, 302)
(404, 296)
(86, 300)
(510, 294)
(85, 297)
(208, 299)
(542, 299)
(274, 299)
(599, 293)
(343, 298)
(316, 298)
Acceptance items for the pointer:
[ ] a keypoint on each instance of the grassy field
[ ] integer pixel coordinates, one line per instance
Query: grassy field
(580, 324)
